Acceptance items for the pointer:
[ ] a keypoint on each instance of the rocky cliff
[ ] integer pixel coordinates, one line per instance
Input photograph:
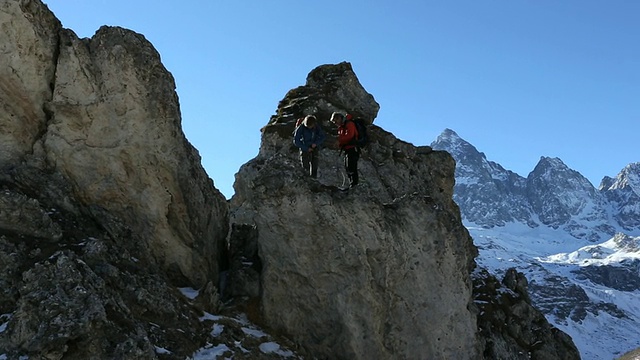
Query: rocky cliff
(113, 238)
(103, 114)
(105, 207)
(382, 271)
(352, 274)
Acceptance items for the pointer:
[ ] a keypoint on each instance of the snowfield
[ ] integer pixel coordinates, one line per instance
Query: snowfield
(542, 253)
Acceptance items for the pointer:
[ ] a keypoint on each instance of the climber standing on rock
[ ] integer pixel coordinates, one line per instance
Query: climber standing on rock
(347, 133)
(308, 137)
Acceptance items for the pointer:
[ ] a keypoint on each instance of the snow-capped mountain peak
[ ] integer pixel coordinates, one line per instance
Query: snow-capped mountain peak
(629, 177)
(552, 194)
(623, 195)
(578, 246)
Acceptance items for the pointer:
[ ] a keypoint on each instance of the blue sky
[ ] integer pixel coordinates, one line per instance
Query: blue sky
(517, 79)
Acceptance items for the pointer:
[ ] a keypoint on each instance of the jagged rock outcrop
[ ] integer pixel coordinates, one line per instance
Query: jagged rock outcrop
(379, 272)
(105, 210)
(103, 113)
(104, 206)
(510, 326)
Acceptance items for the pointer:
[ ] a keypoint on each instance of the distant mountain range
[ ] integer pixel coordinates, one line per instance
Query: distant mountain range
(578, 246)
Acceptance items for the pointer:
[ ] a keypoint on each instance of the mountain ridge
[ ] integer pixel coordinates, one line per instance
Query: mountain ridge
(552, 194)
(577, 245)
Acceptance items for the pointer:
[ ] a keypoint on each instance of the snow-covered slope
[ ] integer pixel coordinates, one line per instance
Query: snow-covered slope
(578, 246)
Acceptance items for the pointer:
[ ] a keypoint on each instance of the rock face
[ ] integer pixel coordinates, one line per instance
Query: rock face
(29, 46)
(103, 113)
(379, 272)
(105, 211)
(382, 271)
(104, 206)
(510, 327)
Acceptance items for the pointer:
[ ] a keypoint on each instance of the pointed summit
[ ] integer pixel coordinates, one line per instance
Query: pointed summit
(548, 167)
(449, 141)
(628, 177)
(623, 192)
(501, 191)
(448, 135)
(471, 165)
(561, 196)
(553, 194)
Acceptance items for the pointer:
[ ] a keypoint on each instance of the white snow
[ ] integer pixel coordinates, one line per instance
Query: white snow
(211, 317)
(607, 253)
(254, 332)
(190, 293)
(209, 353)
(161, 350)
(271, 347)
(540, 251)
(217, 330)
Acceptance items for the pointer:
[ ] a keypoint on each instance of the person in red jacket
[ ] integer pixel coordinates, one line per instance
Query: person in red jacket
(347, 133)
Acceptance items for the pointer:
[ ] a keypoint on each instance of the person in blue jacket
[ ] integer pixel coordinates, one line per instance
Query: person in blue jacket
(308, 137)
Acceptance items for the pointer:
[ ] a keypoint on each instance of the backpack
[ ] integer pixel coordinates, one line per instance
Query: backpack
(298, 123)
(362, 138)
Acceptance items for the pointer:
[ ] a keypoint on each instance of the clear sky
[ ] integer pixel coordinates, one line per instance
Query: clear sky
(517, 79)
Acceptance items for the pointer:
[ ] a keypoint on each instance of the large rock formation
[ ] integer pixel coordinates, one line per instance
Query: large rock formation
(379, 272)
(104, 206)
(510, 327)
(382, 271)
(103, 113)
(105, 210)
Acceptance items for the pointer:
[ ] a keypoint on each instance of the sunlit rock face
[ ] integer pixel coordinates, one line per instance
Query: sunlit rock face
(103, 113)
(106, 212)
(380, 271)
(104, 206)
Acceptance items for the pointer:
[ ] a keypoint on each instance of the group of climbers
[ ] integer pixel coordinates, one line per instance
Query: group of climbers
(309, 137)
